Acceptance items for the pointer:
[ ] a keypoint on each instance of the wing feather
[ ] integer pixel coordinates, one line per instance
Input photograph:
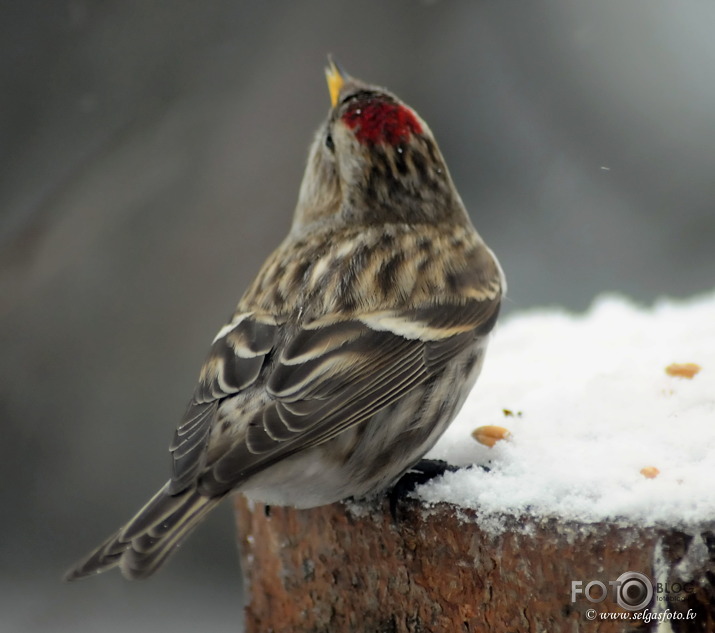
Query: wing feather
(234, 363)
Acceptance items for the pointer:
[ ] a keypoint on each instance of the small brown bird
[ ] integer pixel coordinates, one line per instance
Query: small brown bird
(352, 350)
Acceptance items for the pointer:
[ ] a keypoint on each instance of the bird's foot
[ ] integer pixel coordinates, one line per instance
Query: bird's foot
(422, 472)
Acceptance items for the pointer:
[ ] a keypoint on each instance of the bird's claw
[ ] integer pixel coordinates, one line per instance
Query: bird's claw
(422, 472)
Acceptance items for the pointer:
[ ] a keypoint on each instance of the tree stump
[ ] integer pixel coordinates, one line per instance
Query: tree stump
(351, 567)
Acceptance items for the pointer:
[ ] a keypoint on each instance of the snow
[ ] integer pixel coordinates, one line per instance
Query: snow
(591, 406)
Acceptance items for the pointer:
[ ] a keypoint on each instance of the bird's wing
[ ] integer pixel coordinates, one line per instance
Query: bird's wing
(234, 363)
(334, 373)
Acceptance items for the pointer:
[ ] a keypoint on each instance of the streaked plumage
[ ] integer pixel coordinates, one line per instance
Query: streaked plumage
(352, 350)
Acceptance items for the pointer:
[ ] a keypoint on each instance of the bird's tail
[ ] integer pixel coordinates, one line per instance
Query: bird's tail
(144, 544)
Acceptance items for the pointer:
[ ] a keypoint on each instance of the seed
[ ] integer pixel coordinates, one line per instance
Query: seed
(490, 435)
(650, 472)
(683, 370)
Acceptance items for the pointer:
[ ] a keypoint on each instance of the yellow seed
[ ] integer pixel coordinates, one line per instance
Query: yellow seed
(490, 435)
(683, 370)
(650, 472)
(508, 413)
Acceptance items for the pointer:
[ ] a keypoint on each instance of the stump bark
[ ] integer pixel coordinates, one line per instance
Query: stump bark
(346, 567)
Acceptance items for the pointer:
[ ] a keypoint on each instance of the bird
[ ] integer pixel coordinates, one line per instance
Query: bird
(352, 350)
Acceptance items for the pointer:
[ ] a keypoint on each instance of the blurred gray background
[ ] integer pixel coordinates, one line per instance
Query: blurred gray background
(150, 157)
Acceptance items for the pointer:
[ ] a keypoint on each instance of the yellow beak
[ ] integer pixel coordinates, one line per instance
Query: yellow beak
(336, 78)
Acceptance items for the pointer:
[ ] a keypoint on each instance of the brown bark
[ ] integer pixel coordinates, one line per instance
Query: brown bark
(336, 569)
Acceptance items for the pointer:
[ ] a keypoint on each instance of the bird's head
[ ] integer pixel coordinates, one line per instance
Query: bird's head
(374, 160)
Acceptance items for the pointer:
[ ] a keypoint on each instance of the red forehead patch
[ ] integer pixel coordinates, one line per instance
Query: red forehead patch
(379, 121)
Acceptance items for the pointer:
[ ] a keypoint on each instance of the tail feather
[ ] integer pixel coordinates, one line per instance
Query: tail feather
(144, 544)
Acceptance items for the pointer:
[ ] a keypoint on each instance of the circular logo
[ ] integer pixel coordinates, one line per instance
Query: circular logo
(634, 591)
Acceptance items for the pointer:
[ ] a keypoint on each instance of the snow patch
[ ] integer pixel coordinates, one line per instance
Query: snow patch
(589, 404)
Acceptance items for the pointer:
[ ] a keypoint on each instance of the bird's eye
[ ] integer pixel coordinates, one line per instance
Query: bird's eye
(329, 142)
